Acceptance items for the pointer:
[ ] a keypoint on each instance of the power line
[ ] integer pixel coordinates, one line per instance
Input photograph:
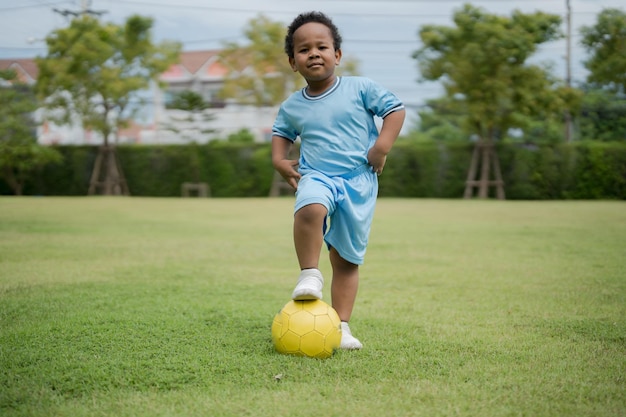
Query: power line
(400, 14)
(432, 1)
(23, 48)
(282, 12)
(33, 6)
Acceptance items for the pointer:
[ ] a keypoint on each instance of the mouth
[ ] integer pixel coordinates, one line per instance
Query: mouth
(316, 64)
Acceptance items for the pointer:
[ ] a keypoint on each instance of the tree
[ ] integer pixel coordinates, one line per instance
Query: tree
(20, 155)
(192, 119)
(606, 42)
(259, 72)
(482, 65)
(242, 136)
(188, 100)
(190, 122)
(440, 121)
(603, 115)
(92, 72)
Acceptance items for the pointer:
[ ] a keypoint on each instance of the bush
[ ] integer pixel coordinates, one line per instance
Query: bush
(414, 169)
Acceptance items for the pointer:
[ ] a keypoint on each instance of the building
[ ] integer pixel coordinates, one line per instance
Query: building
(197, 71)
(25, 68)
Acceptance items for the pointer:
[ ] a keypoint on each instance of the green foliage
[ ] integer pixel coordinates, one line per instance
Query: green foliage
(259, 72)
(482, 64)
(425, 169)
(189, 101)
(539, 131)
(538, 172)
(440, 120)
(20, 155)
(606, 43)
(242, 136)
(603, 116)
(240, 170)
(231, 170)
(195, 120)
(92, 70)
(530, 172)
(601, 171)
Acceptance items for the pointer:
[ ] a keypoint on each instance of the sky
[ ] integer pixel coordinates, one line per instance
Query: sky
(380, 34)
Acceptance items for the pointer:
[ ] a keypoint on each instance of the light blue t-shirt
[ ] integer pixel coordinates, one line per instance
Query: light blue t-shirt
(336, 128)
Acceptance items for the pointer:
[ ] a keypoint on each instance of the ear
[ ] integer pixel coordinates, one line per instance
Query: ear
(292, 62)
(338, 56)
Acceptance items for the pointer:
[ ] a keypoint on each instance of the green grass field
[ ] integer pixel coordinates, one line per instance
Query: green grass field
(163, 307)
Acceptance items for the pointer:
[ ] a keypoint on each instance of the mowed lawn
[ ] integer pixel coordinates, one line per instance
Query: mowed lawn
(163, 307)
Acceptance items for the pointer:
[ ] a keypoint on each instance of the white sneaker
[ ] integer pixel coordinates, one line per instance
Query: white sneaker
(309, 286)
(348, 341)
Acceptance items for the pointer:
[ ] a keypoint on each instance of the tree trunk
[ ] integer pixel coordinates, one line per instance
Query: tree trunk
(107, 177)
(486, 157)
(10, 178)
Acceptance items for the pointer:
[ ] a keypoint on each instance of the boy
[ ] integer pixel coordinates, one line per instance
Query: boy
(341, 155)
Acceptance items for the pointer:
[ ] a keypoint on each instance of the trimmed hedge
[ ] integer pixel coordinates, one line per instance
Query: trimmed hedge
(231, 170)
(594, 170)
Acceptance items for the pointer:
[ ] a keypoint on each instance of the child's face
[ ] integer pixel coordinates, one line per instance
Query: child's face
(315, 57)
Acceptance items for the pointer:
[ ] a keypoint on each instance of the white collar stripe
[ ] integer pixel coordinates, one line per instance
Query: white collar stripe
(324, 94)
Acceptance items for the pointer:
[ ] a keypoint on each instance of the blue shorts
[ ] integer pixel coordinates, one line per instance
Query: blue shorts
(350, 201)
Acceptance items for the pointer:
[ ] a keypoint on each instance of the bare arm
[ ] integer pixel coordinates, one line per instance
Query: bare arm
(286, 167)
(392, 124)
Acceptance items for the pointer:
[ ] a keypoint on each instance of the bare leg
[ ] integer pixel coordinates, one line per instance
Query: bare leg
(344, 286)
(343, 291)
(308, 239)
(307, 234)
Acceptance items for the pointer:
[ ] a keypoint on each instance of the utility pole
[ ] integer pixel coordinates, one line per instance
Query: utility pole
(568, 68)
(85, 10)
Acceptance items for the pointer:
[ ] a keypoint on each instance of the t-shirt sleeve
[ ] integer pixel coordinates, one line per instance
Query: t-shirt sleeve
(380, 101)
(282, 126)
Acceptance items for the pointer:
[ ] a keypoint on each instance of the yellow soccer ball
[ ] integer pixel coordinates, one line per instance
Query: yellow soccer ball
(307, 328)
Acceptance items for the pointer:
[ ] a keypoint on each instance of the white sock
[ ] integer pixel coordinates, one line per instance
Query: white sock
(348, 341)
(309, 286)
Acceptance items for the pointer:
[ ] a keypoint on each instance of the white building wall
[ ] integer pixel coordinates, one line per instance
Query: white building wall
(173, 128)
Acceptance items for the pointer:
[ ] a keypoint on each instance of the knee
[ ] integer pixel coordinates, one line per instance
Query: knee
(311, 214)
(340, 263)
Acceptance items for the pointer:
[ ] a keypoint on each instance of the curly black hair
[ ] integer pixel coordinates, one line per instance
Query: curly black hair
(316, 17)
